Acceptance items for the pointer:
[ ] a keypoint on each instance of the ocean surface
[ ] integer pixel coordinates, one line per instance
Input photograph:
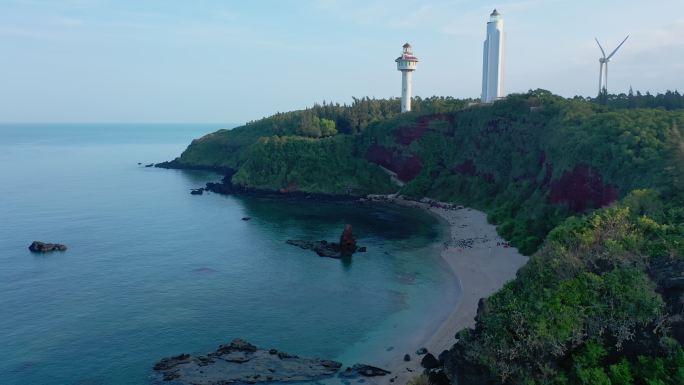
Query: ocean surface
(152, 271)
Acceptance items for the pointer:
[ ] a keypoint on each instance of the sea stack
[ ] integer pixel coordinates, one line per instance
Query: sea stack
(347, 242)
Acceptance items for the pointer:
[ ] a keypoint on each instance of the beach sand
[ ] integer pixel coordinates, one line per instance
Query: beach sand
(479, 259)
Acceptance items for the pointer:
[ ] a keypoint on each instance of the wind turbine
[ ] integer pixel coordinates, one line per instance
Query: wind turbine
(603, 85)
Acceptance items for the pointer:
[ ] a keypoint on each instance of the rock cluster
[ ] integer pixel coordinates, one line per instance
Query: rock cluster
(344, 249)
(363, 370)
(242, 362)
(42, 247)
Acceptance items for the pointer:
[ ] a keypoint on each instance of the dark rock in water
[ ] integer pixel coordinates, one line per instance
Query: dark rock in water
(429, 362)
(246, 218)
(347, 241)
(149, 165)
(170, 362)
(361, 249)
(242, 362)
(322, 248)
(421, 351)
(139, 163)
(363, 370)
(407, 357)
(42, 247)
(345, 248)
(283, 355)
(197, 191)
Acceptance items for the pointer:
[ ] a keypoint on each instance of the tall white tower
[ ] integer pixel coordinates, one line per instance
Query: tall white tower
(492, 63)
(406, 63)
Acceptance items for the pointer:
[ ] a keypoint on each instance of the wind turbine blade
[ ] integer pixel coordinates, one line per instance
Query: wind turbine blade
(618, 47)
(599, 44)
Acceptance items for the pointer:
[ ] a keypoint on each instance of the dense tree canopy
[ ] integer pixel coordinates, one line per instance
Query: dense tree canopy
(593, 189)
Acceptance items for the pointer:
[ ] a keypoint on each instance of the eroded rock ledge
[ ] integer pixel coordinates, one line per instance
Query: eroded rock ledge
(242, 362)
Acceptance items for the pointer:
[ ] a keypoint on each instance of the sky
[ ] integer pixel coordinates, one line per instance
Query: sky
(215, 61)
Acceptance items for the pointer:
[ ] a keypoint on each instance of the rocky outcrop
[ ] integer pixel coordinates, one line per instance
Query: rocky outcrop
(363, 370)
(242, 362)
(429, 361)
(42, 247)
(406, 167)
(344, 249)
(347, 242)
(226, 187)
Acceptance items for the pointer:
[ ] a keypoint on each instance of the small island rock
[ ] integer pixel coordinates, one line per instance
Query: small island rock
(42, 247)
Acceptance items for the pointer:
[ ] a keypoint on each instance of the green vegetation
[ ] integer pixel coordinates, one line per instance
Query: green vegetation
(584, 309)
(312, 165)
(592, 189)
(530, 161)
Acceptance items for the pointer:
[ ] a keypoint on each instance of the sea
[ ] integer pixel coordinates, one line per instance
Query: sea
(153, 271)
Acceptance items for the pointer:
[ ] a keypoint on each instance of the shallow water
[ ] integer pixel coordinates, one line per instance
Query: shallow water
(153, 271)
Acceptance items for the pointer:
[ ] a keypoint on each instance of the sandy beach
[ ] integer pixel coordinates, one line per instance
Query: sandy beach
(482, 262)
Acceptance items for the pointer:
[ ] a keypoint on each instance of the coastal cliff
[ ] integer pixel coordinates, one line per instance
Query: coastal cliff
(593, 192)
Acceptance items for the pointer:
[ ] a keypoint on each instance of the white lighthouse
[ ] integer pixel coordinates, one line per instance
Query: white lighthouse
(406, 63)
(493, 59)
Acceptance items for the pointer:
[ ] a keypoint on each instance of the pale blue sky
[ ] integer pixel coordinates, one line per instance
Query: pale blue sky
(234, 61)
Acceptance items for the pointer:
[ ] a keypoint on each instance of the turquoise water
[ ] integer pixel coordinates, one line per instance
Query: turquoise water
(153, 271)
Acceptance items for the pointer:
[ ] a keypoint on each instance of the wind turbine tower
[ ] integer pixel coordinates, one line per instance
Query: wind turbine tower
(406, 63)
(603, 76)
(493, 58)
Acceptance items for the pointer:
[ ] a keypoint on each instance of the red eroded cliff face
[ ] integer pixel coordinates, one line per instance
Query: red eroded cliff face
(406, 168)
(582, 188)
(408, 134)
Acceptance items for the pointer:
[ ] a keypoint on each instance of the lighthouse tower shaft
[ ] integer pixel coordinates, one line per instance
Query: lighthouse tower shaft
(406, 63)
(406, 90)
(493, 59)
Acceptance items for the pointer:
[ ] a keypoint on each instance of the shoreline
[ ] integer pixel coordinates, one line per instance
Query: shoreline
(478, 258)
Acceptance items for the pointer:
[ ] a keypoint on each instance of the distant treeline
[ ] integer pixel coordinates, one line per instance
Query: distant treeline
(354, 118)
(670, 100)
